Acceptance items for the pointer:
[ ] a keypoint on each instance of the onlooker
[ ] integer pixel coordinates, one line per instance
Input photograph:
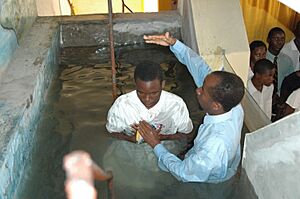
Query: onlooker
(215, 155)
(258, 50)
(292, 48)
(260, 86)
(288, 103)
(283, 64)
(165, 112)
(290, 84)
(293, 102)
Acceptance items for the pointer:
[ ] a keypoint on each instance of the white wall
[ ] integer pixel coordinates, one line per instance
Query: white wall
(219, 25)
(53, 7)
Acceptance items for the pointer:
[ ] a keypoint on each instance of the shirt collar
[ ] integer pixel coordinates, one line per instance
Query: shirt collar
(212, 119)
(271, 56)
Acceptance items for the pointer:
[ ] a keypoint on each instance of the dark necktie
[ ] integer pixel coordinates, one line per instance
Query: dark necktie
(275, 75)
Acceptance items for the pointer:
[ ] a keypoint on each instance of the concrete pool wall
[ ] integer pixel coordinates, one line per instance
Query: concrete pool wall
(25, 81)
(23, 91)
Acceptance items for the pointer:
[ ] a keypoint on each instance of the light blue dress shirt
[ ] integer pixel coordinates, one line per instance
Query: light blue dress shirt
(215, 155)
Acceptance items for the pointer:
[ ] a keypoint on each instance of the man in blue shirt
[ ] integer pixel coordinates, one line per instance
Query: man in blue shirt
(215, 155)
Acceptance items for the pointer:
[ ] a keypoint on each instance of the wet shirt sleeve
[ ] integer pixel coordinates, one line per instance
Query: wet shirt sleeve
(195, 63)
(117, 118)
(201, 166)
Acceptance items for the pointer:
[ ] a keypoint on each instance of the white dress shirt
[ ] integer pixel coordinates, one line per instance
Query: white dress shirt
(250, 73)
(294, 100)
(291, 50)
(263, 98)
(170, 114)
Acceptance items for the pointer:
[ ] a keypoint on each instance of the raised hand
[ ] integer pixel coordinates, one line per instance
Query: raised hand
(163, 40)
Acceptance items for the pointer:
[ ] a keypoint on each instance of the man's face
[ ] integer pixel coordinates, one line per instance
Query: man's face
(268, 77)
(276, 41)
(203, 95)
(258, 53)
(149, 92)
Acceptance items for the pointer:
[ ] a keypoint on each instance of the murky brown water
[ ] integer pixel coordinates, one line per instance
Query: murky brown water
(75, 116)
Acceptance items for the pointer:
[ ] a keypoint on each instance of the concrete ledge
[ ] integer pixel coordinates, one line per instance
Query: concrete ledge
(23, 87)
(92, 30)
(8, 45)
(272, 157)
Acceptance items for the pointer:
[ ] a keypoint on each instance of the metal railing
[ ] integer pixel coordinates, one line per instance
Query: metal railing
(71, 7)
(112, 50)
(125, 6)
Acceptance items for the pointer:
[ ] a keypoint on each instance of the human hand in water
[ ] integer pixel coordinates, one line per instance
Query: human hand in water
(150, 135)
(163, 40)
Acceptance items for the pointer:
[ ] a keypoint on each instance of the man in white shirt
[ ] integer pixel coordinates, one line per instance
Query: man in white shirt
(292, 48)
(165, 112)
(260, 86)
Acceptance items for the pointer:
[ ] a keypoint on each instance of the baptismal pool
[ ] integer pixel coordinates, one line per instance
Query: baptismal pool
(75, 116)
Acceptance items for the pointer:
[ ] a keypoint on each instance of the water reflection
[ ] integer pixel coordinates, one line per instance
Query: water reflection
(137, 176)
(135, 170)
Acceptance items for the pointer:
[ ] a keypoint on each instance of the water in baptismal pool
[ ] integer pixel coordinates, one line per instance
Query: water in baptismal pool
(74, 119)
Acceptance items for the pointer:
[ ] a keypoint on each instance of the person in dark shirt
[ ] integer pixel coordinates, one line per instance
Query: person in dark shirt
(290, 84)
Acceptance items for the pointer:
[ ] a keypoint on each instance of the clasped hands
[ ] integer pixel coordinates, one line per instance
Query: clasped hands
(149, 134)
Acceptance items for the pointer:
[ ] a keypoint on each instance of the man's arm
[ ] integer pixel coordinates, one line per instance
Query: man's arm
(122, 136)
(176, 136)
(194, 62)
(197, 167)
(117, 124)
(288, 110)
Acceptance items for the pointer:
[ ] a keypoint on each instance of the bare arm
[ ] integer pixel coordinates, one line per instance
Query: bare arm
(288, 110)
(99, 174)
(122, 136)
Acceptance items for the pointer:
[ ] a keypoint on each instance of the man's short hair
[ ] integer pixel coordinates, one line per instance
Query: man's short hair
(262, 66)
(273, 31)
(229, 91)
(255, 44)
(148, 71)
